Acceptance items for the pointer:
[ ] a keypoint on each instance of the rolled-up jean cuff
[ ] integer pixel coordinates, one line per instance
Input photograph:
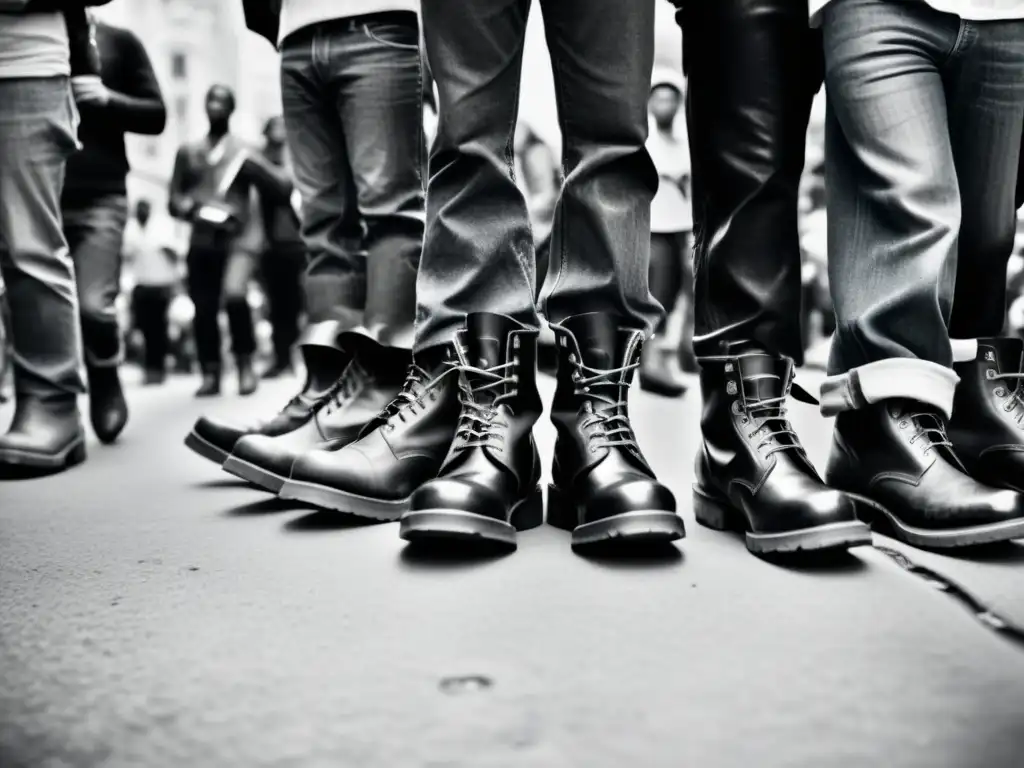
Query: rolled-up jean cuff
(896, 378)
(322, 334)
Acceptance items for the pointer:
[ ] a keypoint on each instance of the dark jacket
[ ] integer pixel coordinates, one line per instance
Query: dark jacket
(263, 17)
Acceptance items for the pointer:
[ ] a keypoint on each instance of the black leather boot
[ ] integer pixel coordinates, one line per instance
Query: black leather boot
(602, 487)
(210, 384)
(987, 428)
(488, 486)
(325, 362)
(247, 380)
(45, 436)
(656, 376)
(895, 454)
(398, 451)
(108, 410)
(368, 384)
(753, 474)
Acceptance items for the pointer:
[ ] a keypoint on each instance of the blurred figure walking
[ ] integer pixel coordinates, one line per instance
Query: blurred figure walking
(125, 99)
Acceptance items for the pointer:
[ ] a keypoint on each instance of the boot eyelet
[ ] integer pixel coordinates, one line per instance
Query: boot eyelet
(904, 424)
(730, 387)
(744, 420)
(737, 408)
(990, 373)
(1000, 392)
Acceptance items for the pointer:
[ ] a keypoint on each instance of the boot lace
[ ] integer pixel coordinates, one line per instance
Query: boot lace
(770, 419)
(609, 413)
(417, 386)
(481, 421)
(1013, 399)
(920, 421)
(338, 394)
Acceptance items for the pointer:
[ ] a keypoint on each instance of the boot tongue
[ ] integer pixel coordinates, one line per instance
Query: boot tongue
(1004, 352)
(602, 344)
(486, 345)
(763, 377)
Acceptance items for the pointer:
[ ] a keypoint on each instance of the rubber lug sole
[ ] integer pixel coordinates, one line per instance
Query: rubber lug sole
(469, 527)
(258, 476)
(325, 497)
(205, 448)
(640, 526)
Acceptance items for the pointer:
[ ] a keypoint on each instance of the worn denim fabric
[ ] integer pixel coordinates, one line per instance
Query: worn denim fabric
(753, 69)
(37, 134)
(478, 254)
(95, 233)
(353, 114)
(923, 134)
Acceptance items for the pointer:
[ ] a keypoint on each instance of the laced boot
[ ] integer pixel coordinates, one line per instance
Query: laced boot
(753, 474)
(602, 487)
(247, 381)
(210, 384)
(402, 448)
(987, 428)
(108, 409)
(896, 456)
(489, 484)
(656, 376)
(369, 382)
(213, 439)
(45, 436)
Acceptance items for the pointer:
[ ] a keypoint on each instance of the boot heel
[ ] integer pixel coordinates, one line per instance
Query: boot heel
(712, 513)
(561, 510)
(529, 513)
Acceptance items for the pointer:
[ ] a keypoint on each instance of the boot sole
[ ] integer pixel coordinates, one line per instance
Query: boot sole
(258, 476)
(325, 497)
(640, 526)
(15, 458)
(469, 527)
(205, 448)
(990, 533)
(720, 516)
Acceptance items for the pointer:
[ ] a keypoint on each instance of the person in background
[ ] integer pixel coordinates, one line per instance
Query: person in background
(283, 259)
(211, 188)
(39, 52)
(150, 257)
(126, 99)
(671, 271)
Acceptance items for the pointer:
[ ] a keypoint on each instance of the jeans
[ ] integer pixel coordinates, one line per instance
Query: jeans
(217, 274)
(149, 308)
(478, 253)
(923, 136)
(37, 135)
(353, 114)
(95, 232)
(753, 69)
(281, 270)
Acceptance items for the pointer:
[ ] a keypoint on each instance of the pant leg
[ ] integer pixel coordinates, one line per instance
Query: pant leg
(666, 278)
(282, 275)
(238, 274)
(893, 202)
(602, 54)
(379, 99)
(478, 249)
(335, 279)
(753, 68)
(95, 234)
(37, 134)
(150, 305)
(206, 268)
(985, 102)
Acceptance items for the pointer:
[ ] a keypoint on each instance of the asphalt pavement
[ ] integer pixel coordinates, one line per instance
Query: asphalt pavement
(154, 611)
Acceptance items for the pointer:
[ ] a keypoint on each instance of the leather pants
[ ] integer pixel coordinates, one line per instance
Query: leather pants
(753, 69)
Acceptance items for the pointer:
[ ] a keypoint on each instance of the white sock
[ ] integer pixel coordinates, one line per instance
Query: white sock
(964, 350)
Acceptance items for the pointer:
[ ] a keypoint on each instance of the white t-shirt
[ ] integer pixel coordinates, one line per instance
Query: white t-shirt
(970, 10)
(34, 45)
(145, 252)
(297, 14)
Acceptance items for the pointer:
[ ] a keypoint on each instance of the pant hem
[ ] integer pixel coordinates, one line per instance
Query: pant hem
(920, 380)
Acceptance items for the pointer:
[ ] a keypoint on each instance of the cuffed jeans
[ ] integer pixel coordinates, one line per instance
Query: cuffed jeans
(37, 134)
(353, 114)
(478, 253)
(923, 135)
(94, 230)
(753, 69)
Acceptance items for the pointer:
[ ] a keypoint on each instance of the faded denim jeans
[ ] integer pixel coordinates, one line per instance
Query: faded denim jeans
(923, 135)
(353, 113)
(478, 254)
(37, 134)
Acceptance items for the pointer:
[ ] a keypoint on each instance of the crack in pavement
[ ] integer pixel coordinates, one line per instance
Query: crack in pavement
(986, 616)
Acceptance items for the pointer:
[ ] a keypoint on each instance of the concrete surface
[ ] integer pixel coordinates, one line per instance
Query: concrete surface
(154, 612)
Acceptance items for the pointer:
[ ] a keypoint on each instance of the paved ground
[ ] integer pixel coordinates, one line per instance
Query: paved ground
(154, 612)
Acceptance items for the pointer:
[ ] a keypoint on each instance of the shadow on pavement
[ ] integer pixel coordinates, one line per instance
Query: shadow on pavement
(617, 554)
(322, 520)
(224, 482)
(446, 555)
(266, 506)
(828, 563)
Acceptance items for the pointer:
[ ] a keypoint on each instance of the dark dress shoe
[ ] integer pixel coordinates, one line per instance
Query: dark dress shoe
(210, 385)
(45, 436)
(108, 409)
(602, 487)
(753, 474)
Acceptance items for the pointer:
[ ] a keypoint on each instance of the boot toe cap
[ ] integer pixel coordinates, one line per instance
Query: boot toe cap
(220, 434)
(630, 495)
(265, 452)
(346, 469)
(459, 495)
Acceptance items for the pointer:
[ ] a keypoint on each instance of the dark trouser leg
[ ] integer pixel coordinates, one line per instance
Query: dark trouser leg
(666, 272)
(754, 67)
(150, 304)
(95, 232)
(478, 249)
(237, 276)
(206, 269)
(282, 279)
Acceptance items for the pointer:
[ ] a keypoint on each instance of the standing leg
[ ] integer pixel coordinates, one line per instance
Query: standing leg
(206, 268)
(754, 67)
(894, 201)
(95, 232)
(666, 282)
(36, 137)
(237, 276)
